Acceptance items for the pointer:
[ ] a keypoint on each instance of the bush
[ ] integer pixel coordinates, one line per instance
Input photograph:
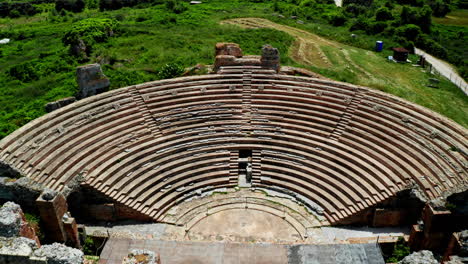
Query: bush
(170, 70)
(89, 247)
(366, 3)
(17, 9)
(337, 19)
(70, 5)
(376, 27)
(400, 250)
(409, 32)
(89, 31)
(360, 24)
(383, 14)
(176, 7)
(24, 72)
(439, 8)
(355, 10)
(91, 4)
(432, 47)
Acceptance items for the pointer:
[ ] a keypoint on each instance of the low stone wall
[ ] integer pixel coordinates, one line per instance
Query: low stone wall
(14, 224)
(22, 191)
(20, 250)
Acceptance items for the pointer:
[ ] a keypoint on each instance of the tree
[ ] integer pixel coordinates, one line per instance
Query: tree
(439, 8)
(425, 19)
(75, 6)
(383, 14)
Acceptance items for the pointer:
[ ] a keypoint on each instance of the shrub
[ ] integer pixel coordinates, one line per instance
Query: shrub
(170, 70)
(17, 9)
(439, 8)
(89, 247)
(383, 14)
(34, 222)
(355, 10)
(366, 3)
(91, 4)
(89, 31)
(376, 27)
(24, 72)
(337, 19)
(400, 250)
(408, 32)
(70, 5)
(360, 24)
(176, 7)
(432, 47)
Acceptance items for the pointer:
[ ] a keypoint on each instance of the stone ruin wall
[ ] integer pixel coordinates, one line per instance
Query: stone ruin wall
(230, 54)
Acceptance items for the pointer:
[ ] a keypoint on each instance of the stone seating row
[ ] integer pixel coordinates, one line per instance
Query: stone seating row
(384, 144)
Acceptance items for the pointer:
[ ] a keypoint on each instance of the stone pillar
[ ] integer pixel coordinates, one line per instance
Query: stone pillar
(435, 230)
(270, 57)
(71, 230)
(52, 206)
(91, 80)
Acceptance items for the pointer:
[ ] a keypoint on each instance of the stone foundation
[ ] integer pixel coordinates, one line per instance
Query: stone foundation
(230, 54)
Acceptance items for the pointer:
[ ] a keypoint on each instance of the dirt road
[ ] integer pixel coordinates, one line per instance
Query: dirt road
(445, 70)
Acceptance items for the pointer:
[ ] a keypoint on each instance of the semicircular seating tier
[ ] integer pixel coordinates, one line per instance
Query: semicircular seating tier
(152, 145)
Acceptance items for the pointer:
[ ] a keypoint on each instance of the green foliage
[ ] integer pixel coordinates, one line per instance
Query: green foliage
(376, 27)
(400, 251)
(361, 23)
(90, 31)
(440, 7)
(148, 38)
(338, 19)
(450, 206)
(34, 222)
(89, 246)
(383, 14)
(408, 32)
(176, 6)
(70, 5)
(16, 9)
(25, 72)
(170, 70)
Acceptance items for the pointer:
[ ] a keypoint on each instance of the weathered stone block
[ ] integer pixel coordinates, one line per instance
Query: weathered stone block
(59, 103)
(60, 254)
(10, 220)
(231, 49)
(91, 80)
(17, 251)
(224, 60)
(138, 256)
(270, 57)
(423, 256)
(388, 217)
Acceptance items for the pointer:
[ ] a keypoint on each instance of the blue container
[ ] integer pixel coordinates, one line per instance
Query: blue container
(379, 46)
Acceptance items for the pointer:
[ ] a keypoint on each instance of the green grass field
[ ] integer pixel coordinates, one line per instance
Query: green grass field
(148, 38)
(454, 18)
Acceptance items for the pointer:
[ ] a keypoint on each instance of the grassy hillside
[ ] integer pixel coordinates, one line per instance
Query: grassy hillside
(36, 67)
(454, 18)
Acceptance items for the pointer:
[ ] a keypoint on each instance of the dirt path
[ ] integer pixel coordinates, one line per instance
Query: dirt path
(444, 69)
(306, 49)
